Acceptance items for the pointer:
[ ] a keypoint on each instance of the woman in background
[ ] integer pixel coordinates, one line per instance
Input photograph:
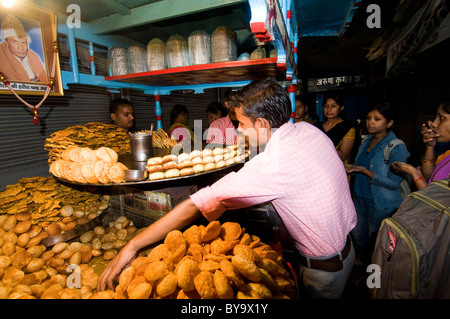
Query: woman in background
(302, 110)
(340, 131)
(432, 168)
(215, 111)
(376, 192)
(179, 118)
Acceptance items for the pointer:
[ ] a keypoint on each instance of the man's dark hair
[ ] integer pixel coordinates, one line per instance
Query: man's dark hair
(231, 96)
(115, 104)
(266, 99)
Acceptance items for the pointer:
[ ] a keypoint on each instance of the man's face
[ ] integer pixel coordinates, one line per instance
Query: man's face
(256, 135)
(124, 117)
(18, 46)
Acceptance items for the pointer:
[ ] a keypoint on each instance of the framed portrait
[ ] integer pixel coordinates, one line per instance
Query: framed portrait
(28, 35)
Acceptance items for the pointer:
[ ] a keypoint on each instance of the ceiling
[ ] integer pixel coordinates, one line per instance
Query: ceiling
(143, 20)
(333, 35)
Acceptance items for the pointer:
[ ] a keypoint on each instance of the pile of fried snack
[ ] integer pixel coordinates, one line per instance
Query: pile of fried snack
(92, 135)
(160, 139)
(207, 262)
(38, 207)
(44, 198)
(85, 165)
(197, 161)
(213, 261)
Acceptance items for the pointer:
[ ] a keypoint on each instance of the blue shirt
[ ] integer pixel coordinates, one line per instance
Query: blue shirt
(361, 180)
(384, 187)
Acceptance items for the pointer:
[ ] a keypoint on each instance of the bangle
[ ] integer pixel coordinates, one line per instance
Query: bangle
(428, 161)
(419, 178)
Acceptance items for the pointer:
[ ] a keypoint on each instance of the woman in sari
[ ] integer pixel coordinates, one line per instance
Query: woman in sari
(432, 168)
(340, 131)
(179, 118)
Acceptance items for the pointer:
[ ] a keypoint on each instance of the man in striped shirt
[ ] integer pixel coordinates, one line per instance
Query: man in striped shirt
(299, 171)
(223, 130)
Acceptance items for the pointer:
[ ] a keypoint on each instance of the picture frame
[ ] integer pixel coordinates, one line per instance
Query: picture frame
(28, 51)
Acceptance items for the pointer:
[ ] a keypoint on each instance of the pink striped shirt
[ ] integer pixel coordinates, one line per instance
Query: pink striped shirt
(304, 178)
(222, 131)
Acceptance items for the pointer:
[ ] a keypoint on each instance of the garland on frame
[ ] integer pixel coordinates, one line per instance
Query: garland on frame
(50, 84)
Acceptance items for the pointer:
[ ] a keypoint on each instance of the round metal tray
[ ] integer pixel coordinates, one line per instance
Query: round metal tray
(224, 169)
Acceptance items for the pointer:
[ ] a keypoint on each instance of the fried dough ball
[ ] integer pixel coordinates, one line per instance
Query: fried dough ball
(219, 246)
(167, 285)
(193, 235)
(232, 274)
(21, 259)
(105, 294)
(12, 276)
(4, 292)
(260, 290)
(267, 280)
(126, 277)
(106, 154)
(230, 231)
(186, 272)
(245, 252)
(141, 291)
(140, 265)
(266, 251)
(155, 271)
(157, 253)
(204, 284)
(5, 261)
(222, 286)
(211, 231)
(209, 265)
(246, 268)
(187, 294)
(272, 267)
(176, 246)
(89, 277)
(70, 293)
(197, 252)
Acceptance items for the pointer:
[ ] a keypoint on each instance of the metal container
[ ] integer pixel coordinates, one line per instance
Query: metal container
(141, 146)
(134, 175)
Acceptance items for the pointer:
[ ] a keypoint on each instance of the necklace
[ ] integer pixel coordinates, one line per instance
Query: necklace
(329, 124)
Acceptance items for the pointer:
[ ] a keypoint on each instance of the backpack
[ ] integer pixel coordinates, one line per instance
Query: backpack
(412, 247)
(405, 187)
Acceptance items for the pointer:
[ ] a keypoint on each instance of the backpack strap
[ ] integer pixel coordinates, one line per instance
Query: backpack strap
(388, 148)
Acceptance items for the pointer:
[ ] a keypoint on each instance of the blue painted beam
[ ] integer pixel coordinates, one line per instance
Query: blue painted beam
(88, 79)
(157, 11)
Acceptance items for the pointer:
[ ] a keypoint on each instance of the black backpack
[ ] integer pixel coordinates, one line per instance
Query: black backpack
(412, 248)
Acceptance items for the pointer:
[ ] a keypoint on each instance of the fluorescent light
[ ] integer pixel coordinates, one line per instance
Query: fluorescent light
(8, 3)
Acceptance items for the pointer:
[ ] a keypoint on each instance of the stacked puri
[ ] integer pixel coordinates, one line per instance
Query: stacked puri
(84, 165)
(171, 166)
(92, 135)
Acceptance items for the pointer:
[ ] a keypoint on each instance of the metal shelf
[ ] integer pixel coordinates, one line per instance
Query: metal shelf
(211, 73)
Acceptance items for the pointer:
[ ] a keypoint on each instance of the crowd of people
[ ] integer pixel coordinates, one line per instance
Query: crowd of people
(304, 172)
